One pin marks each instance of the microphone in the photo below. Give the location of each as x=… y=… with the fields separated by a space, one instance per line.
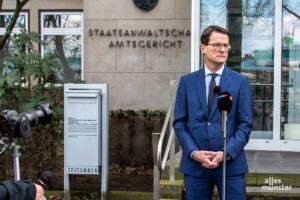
x=224 y=106
x=224 y=102
x=45 y=179
x=217 y=89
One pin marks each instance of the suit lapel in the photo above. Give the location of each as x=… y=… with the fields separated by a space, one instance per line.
x=224 y=83
x=225 y=79
x=201 y=91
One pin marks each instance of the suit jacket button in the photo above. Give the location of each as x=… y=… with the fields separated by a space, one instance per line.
x=206 y=139
x=208 y=123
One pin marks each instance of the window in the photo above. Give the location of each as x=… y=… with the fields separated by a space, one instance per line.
x=64 y=32
x=290 y=71
x=5 y=19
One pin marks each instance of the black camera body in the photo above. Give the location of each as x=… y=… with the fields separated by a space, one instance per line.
x=14 y=125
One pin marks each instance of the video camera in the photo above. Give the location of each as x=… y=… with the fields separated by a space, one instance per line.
x=14 y=125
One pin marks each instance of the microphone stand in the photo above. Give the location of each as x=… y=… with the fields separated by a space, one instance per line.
x=17 y=150
x=224 y=133
x=16 y=153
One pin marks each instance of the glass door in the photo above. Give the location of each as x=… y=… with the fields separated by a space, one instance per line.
x=290 y=71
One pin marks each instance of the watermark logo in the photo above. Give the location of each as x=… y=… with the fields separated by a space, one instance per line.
x=275 y=184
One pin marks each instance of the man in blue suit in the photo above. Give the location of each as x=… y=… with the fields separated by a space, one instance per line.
x=197 y=122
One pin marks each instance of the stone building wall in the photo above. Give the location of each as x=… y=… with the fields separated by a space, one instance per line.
x=138 y=77
x=137 y=68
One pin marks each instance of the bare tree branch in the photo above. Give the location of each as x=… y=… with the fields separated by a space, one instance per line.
x=290 y=11
x=22 y=3
x=1 y=2
x=12 y=23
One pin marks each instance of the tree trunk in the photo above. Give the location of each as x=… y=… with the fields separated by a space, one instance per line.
x=58 y=39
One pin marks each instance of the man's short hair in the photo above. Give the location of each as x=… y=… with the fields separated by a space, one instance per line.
x=208 y=31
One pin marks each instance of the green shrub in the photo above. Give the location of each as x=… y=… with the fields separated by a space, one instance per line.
x=29 y=79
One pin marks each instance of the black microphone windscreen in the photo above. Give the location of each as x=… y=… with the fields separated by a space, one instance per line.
x=47 y=177
x=224 y=102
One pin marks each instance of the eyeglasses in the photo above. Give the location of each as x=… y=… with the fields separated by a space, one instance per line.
x=218 y=46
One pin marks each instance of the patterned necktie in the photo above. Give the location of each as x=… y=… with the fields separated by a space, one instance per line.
x=211 y=94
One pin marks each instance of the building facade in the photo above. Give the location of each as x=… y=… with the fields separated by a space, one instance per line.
x=138 y=51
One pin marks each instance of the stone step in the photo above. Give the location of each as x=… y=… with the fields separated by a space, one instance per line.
x=260 y=186
x=252 y=179
x=261 y=196
x=273 y=190
x=167 y=199
x=165 y=173
x=256 y=193
x=171 y=190
x=266 y=179
x=129 y=195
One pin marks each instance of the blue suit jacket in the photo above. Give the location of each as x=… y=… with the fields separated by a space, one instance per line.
x=198 y=131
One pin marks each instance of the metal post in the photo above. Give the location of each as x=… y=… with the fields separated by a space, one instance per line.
x=67 y=188
x=105 y=142
x=224 y=131
x=195 y=31
x=156 y=173
x=16 y=155
x=172 y=161
x=224 y=171
x=67 y=185
x=277 y=70
x=172 y=149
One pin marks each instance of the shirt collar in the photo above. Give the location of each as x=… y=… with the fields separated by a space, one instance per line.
x=219 y=72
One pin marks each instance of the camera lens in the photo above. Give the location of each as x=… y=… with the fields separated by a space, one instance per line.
x=42 y=114
x=18 y=126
